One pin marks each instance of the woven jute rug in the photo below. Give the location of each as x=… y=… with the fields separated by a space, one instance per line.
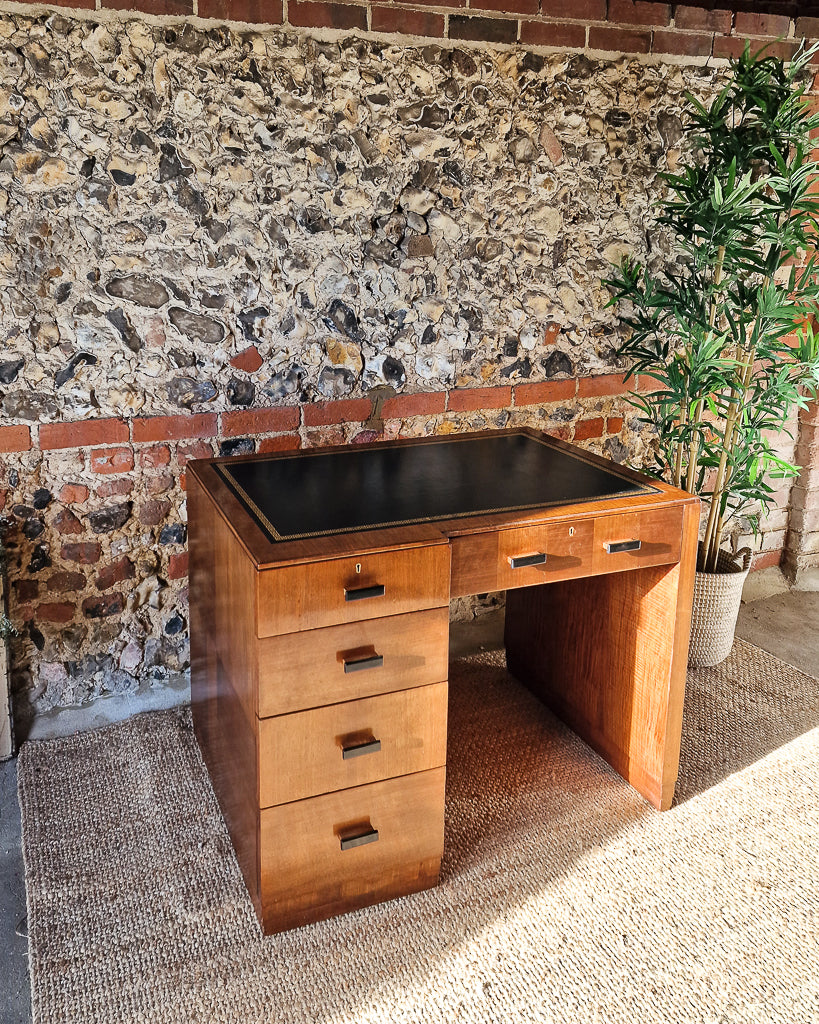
x=564 y=896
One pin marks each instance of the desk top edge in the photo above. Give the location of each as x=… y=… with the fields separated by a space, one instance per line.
x=267 y=554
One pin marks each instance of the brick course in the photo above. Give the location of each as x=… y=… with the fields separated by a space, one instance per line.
x=280 y=443
x=702 y=19
x=485 y=30
x=176 y=7
x=307 y=14
x=638 y=12
x=585 y=429
x=82 y=433
x=168 y=428
x=543 y=392
x=259 y=421
x=423 y=404
x=538 y=33
x=416 y=23
x=613 y=26
x=254 y=11
x=463 y=399
x=321 y=414
x=602 y=384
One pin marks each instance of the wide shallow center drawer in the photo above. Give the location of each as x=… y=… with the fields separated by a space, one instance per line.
x=346 y=850
x=313 y=752
x=634 y=539
x=328 y=593
x=521 y=557
x=326 y=666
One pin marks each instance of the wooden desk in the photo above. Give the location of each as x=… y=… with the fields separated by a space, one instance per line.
x=319 y=649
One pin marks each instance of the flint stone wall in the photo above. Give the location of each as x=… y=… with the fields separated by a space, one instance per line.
x=217 y=241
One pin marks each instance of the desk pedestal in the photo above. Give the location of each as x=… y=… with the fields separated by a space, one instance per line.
x=608 y=655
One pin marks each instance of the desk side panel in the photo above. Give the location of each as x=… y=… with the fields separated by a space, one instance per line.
x=223 y=695
x=608 y=654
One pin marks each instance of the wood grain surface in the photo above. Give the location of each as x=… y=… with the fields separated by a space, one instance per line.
x=314 y=595
x=306 y=670
x=608 y=655
x=601 y=636
x=223 y=698
x=301 y=755
x=306 y=876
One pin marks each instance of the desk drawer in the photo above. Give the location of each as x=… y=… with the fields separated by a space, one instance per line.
x=338 y=852
x=339 y=590
x=505 y=559
x=633 y=539
x=326 y=666
x=361 y=741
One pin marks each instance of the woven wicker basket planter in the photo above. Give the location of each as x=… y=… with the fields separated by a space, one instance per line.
x=717 y=597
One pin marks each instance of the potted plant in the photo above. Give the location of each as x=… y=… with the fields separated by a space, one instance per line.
x=725 y=331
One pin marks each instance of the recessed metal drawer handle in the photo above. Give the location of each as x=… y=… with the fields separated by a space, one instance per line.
x=358 y=749
x=622 y=545
x=362 y=593
x=360 y=664
x=361 y=839
x=520 y=561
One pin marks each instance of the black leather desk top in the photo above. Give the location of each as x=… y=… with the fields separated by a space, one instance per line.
x=324 y=493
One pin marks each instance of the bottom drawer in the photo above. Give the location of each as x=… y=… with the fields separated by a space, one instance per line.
x=334 y=853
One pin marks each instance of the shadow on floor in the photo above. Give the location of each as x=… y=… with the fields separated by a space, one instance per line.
x=739 y=712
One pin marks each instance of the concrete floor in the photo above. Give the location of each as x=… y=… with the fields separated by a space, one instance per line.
x=781 y=621
x=15 y=1000
x=784 y=623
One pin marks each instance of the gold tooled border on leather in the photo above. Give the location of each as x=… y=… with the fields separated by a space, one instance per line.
x=224 y=470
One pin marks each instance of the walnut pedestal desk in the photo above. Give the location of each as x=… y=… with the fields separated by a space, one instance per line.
x=320 y=587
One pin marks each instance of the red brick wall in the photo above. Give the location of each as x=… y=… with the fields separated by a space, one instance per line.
x=802 y=548
x=143 y=460
x=619 y=26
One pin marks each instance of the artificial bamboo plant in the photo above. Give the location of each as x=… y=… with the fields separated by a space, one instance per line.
x=726 y=330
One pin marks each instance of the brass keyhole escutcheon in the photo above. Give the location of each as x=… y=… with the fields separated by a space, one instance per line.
x=571 y=531
x=358 y=567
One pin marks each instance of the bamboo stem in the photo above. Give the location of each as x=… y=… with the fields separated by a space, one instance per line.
x=696 y=437
x=694 y=451
x=714 y=526
x=679 y=453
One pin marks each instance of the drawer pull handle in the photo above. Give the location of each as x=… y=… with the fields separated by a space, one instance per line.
x=360 y=839
x=622 y=545
x=362 y=593
x=358 y=749
x=360 y=664
x=521 y=561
